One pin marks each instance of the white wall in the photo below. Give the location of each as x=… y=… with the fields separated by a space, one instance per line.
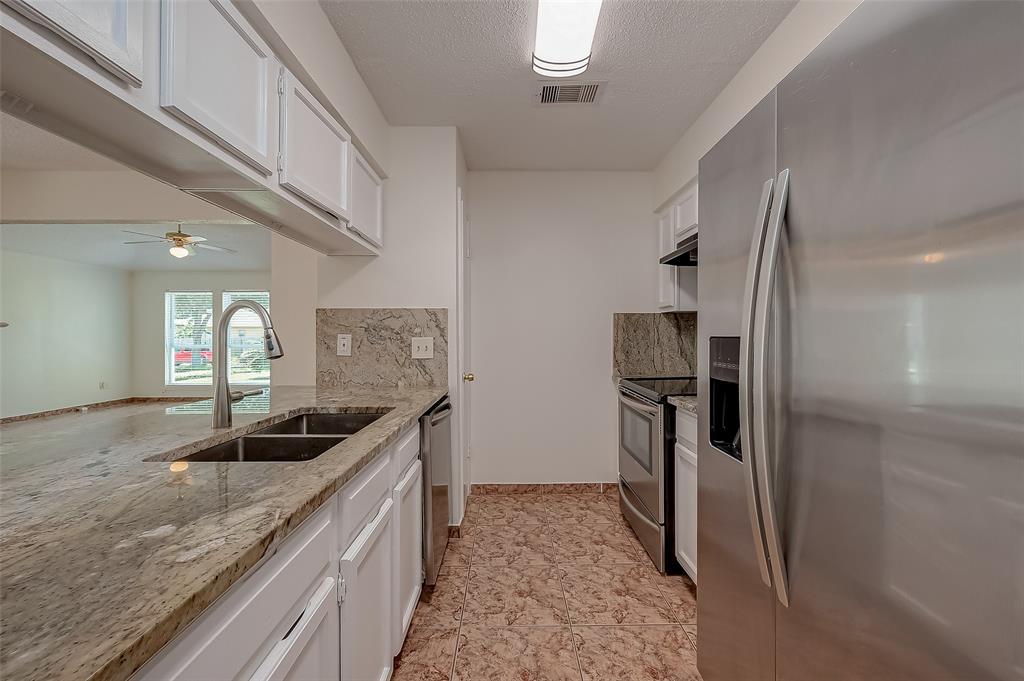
x=70 y=330
x=417 y=265
x=148 y=322
x=554 y=254
x=799 y=33
x=293 y=281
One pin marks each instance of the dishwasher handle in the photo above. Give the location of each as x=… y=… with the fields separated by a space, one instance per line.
x=442 y=413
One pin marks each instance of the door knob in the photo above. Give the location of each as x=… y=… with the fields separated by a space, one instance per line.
x=468 y=377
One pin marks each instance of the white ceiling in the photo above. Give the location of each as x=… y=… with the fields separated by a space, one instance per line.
x=447 y=62
x=103 y=245
x=23 y=146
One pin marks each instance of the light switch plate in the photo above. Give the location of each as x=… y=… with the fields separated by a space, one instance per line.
x=344 y=345
x=423 y=347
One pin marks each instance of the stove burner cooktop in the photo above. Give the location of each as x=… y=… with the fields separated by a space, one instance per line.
x=659 y=388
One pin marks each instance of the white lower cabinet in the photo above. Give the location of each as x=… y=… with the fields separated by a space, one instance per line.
x=686 y=509
x=309 y=651
x=333 y=602
x=408 y=535
x=366 y=630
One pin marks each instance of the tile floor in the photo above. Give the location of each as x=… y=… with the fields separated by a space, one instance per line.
x=551 y=586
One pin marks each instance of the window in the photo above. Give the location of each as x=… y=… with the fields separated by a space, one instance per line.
x=188 y=338
x=188 y=344
x=247 y=356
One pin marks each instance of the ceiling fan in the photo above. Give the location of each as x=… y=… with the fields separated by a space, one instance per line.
x=182 y=245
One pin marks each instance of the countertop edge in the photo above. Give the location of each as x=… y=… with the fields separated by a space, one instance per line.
x=127 y=660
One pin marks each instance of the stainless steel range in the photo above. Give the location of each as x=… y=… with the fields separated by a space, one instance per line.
x=646 y=435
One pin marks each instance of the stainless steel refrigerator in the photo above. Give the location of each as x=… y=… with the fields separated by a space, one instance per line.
x=861 y=359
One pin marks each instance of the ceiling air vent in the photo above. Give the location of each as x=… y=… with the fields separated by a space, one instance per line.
x=568 y=93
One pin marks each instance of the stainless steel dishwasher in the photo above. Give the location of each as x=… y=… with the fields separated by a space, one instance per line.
x=436 y=451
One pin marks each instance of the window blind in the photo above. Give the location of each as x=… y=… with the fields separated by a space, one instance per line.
x=247 y=357
x=188 y=345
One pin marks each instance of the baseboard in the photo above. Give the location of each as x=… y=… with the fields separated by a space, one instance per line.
x=545 y=488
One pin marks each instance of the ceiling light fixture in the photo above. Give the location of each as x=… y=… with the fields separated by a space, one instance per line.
x=565 y=35
x=179 y=251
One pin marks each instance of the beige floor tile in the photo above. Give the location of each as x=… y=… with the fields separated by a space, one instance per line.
x=428 y=653
x=441 y=605
x=520 y=596
x=613 y=594
x=606 y=544
x=565 y=509
x=680 y=594
x=644 y=653
x=459 y=553
x=511 y=545
x=505 y=509
x=691 y=633
x=515 y=654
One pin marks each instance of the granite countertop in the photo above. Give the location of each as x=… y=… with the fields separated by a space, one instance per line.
x=106 y=557
x=685 y=403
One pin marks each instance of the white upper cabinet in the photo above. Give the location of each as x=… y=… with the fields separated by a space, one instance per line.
x=685 y=216
x=366 y=612
x=367 y=201
x=109 y=31
x=314 y=157
x=218 y=75
x=666 y=273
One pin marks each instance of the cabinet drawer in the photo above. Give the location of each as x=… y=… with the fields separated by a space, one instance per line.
x=406 y=451
x=686 y=429
x=359 y=500
x=235 y=633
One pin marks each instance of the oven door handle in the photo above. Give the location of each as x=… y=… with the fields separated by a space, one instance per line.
x=639 y=406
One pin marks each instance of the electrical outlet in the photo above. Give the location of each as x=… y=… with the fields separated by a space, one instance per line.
x=344 y=345
x=103 y=385
x=423 y=347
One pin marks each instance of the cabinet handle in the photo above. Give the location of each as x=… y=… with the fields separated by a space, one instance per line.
x=282 y=656
x=364 y=540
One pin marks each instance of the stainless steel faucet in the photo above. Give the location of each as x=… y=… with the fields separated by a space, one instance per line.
x=222 y=395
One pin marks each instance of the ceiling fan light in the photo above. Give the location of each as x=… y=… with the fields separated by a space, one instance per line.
x=565 y=36
x=179 y=251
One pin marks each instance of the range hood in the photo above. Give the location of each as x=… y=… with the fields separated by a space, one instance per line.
x=685 y=254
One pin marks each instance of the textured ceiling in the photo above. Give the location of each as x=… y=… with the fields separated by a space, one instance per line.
x=467 y=63
x=103 y=245
x=23 y=146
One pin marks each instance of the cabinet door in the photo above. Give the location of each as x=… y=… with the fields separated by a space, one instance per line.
x=109 y=31
x=686 y=509
x=366 y=613
x=408 y=534
x=217 y=75
x=309 y=650
x=666 y=273
x=314 y=154
x=367 y=201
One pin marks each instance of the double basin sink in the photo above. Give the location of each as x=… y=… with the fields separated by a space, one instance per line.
x=300 y=438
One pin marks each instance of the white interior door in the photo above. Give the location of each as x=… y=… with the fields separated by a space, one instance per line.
x=464 y=354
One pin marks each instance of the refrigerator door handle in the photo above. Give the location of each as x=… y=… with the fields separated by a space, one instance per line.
x=762 y=311
x=746 y=366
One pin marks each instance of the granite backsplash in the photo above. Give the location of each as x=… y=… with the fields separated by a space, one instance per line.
x=654 y=344
x=381 y=347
